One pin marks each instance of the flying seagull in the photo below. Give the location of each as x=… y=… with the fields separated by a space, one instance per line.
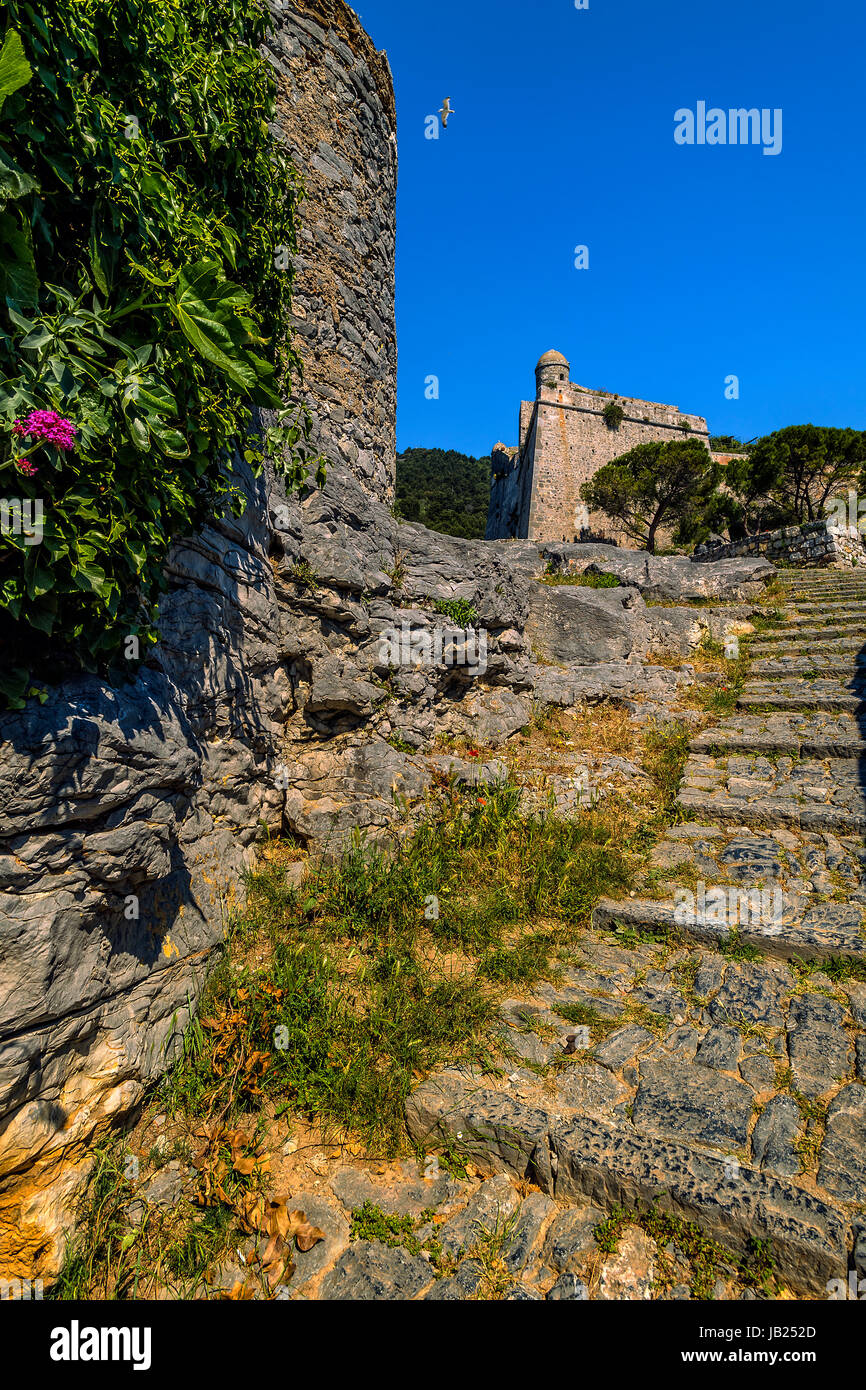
x=446 y=112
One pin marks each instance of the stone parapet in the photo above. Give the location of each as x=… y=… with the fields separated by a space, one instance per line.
x=815 y=543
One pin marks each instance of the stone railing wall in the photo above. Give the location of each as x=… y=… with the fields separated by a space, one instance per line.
x=816 y=543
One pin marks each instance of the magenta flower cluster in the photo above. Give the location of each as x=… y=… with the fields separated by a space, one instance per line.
x=48 y=427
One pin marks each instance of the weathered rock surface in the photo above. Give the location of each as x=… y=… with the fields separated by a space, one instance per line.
x=580 y=1156
x=577 y=626
x=666 y=578
x=774 y=1137
x=370 y=1270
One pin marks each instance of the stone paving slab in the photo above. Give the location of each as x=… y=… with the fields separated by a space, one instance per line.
x=823 y=662
x=788 y=692
x=574 y=1157
x=822 y=933
x=814 y=793
x=839 y=649
x=801 y=629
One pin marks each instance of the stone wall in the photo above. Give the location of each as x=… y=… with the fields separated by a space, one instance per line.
x=336 y=114
x=128 y=814
x=816 y=543
x=564 y=440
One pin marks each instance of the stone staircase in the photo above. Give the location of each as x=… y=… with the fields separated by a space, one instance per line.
x=722 y=1073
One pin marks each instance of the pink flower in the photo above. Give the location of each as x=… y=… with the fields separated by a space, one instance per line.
x=26 y=467
x=49 y=427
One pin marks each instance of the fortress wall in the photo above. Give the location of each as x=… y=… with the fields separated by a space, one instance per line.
x=574 y=443
x=564 y=441
x=336 y=114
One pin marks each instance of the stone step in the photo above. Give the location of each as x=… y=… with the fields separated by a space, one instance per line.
x=820 y=933
x=804 y=792
x=803 y=735
x=852 y=622
x=801 y=646
x=572 y=1155
x=826 y=604
x=761 y=698
x=782 y=812
x=852 y=597
x=811 y=666
x=818 y=574
x=794 y=632
x=792 y=693
x=800 y=864
x=812 y=623
x=822 y=579
x=824 y=616
x=832 y=599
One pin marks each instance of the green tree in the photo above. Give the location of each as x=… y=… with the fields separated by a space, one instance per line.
x=445 y=490
x=653 y=484
x=791 y=475
x=728 y=444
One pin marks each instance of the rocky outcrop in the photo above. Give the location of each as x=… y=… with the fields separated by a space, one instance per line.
x=277 y=699
x=579 y=625
x=128 y=814
x=665 y=578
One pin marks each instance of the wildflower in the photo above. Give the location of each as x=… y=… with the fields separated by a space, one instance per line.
x=49 y=427
x=26 y=467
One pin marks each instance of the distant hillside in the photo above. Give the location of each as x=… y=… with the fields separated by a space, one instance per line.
x=444 y=490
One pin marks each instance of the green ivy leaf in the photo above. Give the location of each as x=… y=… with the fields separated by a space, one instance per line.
x=14 y=183
x=18 y=279
x=15 y=71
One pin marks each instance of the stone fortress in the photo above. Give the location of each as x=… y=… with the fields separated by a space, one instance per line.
x=564 y=439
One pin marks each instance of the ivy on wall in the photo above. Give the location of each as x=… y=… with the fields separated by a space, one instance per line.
x=147 y=225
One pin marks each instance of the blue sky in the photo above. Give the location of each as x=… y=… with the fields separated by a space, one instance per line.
x=704 y=261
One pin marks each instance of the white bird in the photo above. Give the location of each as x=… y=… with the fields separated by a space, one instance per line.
x=446 y=112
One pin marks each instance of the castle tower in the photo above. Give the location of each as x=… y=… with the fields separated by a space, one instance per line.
x=551 y=373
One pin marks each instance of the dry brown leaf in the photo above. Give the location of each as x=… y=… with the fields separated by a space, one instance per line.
x=306 y=1235
x=240 y=1292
